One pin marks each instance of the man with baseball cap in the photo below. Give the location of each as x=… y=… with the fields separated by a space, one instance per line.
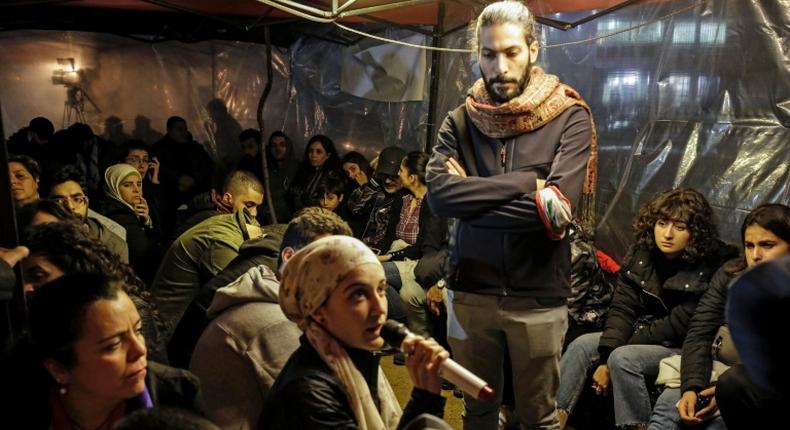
x=380 y=229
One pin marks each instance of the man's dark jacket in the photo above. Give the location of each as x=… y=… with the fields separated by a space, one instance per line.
x=499 y=245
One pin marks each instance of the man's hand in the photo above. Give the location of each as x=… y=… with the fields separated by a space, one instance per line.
x=455 y=168
x=601 y=380
x=435 y=299
x=153 y=170
x=13 y=255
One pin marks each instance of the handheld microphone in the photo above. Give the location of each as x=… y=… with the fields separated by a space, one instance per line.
x=394 y=333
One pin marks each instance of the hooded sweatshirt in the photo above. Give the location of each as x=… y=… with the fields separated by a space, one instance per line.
x=243 y=349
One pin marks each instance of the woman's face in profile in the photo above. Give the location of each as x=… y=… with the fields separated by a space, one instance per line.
x=356 y=310
x=110 y=353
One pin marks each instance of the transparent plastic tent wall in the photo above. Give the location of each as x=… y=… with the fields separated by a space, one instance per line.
x=701 y=99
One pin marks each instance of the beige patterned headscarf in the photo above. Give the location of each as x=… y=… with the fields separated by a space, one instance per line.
x=308 y=280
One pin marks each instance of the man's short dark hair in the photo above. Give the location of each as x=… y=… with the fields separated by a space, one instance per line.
x=310 y=224
x=42 y=127
x=173 y=120
x=132 y=145
x=80 y=132
x=331 y=185
x=238 y=181
x=30 y=164
x=250 y=133
x=65 y=174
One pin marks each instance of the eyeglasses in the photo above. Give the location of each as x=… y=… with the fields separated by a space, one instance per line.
x=78 y=201
x=138 y=160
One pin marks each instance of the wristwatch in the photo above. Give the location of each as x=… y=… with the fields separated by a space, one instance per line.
x=440 y=284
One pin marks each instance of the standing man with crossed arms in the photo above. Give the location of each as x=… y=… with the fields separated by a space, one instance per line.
x=512 y=164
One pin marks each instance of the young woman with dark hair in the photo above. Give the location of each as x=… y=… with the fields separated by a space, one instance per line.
x=418 y=232
x=89 y=366
x=765 y=235
x=357 y=168
x=320 y=160
x=676 y=250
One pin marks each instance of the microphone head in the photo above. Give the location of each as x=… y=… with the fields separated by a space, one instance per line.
x=394 y=333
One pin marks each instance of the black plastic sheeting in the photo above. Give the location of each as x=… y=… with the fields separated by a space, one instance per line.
x=700 y=99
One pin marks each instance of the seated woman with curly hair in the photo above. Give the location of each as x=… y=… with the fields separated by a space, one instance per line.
x=676 y=250
x=61 y=248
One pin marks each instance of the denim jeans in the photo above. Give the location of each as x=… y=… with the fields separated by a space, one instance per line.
x=630 y=366
x=400 y=276
x=665 y=415
x=395 y=310
x=392 y=274
x=581 y=354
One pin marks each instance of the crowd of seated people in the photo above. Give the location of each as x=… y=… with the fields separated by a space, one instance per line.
x=138 y=257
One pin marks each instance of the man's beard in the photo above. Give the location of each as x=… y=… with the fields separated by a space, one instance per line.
x=504 y=97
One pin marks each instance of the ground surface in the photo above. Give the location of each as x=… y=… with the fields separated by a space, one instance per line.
x=399 y=379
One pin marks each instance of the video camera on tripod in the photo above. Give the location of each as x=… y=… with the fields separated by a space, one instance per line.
x=72 y=78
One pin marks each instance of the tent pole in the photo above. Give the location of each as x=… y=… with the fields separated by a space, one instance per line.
x=434 y=90
x=13 y=312
x=261 y=104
